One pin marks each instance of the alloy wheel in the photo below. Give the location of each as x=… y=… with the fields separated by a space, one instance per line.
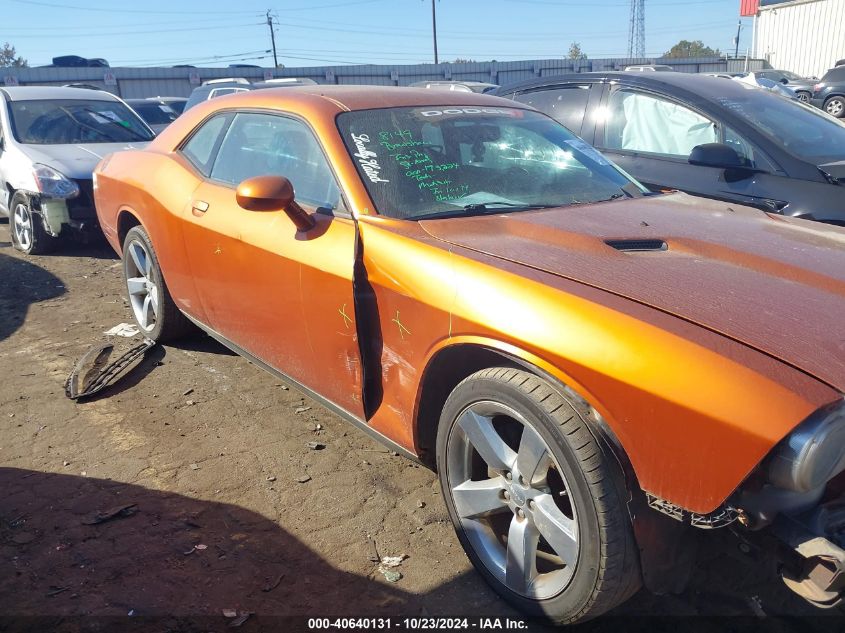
x=835 y=107
x=143 y=291
x=803 y=97
x=22 y=223
x=513 y=500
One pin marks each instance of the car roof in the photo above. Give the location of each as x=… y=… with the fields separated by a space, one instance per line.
x=704 y=86
x=27 y=93
x=361 y=97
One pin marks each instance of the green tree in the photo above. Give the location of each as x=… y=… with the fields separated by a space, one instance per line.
x=9 y=57
x=696 y=48
x=575 y=51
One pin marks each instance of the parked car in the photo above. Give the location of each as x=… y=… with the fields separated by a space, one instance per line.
x=461 y=86
x=829 y=93
x=177 y=104
x=801 y=86
x=50 y=141
x=156 y=113
x=469 y=282
x=704 y=135
x=221 y=87
x=648 y=68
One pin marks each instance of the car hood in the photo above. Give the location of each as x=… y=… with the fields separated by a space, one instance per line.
x=75 y=161
x=776 y=284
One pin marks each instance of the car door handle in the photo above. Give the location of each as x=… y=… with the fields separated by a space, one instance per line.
x=199 y=207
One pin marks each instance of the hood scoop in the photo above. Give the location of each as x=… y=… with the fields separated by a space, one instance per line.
x=637 y=246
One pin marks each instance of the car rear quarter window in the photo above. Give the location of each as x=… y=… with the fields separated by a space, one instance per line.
x=834 y=75
x=641 y=122
x=200 y=147
x=264 y=144
x=565 y=104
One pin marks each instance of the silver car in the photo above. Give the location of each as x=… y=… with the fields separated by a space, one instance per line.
x=50 y=141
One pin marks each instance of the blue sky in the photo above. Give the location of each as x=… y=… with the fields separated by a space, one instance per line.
x=318 y=32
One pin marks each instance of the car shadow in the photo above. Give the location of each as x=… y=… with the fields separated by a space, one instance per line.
x=97 y=553
x=81 y=554
x=24 y=284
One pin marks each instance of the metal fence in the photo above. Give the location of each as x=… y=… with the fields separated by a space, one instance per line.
x=178 y=82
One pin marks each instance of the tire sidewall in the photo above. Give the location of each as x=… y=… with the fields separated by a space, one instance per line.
x=138 y=234
x=578 y=592
x=38 y=233
x=841 y=100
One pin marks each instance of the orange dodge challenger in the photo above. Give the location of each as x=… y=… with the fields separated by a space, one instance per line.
x=597 y=374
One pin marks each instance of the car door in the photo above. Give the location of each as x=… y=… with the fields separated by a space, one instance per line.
x=651 y=135
x=282 y=295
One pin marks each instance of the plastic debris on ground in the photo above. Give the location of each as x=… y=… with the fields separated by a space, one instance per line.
x=127 y=330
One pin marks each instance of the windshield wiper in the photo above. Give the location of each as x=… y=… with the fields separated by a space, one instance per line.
x=483 y=209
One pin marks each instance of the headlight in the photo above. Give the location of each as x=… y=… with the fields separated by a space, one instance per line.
x=52 y=183
x=812 y=454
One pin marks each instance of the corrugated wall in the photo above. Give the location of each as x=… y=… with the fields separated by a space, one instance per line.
x=806 y=36
x=175 y=82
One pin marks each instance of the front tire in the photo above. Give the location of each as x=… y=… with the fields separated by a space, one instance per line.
x=803 y=97
x=27 y=229
x=153 y=309
x=835 y=106
x=536 y=501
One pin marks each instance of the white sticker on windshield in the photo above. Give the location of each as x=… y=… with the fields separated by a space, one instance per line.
x=367 y=158
x=111 y=115
x=164 y=108
x=97 y=117
x=588 y=150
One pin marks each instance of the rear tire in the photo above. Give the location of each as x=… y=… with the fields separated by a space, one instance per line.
x=153 y=309
x=835 y=106
x=537 y=503
x=803 y=97
x=27 y=228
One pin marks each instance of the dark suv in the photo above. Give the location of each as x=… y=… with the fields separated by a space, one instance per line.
x=707 y=136
x=829 y=93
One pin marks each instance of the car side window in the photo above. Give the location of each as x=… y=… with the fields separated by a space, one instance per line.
x=566 y=104
x=265 y=144
x=641 y=122
x=200 y=147
x=740 y=145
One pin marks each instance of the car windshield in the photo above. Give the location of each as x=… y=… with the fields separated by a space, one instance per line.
x=444 y=161
x=155 y=112
x=58 y=122
x=791 y=76
x=804 y=131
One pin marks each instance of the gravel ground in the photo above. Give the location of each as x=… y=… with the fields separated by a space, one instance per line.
x=229 y=507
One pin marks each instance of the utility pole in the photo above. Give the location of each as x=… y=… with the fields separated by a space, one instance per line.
x=736 y=39
x=434 y=28
x=272 y=39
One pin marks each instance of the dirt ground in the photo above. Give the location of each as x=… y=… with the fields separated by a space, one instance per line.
x=213 y=453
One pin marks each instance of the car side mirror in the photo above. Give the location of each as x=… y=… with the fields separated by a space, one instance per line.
x=784 y=81
x=273 y=193
x=716 y=155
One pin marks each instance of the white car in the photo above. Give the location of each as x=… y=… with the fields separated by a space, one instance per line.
x=50 y=141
